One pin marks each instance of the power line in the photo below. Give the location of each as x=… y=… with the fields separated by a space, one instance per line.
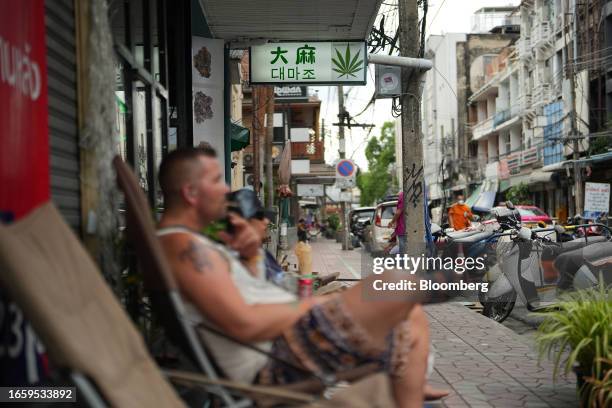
x=437 y=12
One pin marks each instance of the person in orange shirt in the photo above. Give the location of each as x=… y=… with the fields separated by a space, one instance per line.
x=460 y=214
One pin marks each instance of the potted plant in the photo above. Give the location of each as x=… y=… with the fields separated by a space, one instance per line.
x=577 y=335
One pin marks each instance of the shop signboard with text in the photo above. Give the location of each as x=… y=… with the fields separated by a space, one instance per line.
x=313 y=62
x=596 y=200
x=24 y=134
x=24 y=165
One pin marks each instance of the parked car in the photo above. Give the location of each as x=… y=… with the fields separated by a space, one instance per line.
x=531 y=216
x=361 y=214
x=377 y=234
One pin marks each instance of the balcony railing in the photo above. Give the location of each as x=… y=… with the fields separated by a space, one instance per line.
x=525 y=48
x=501 y=117
x=525 y=103
x=314 y=151
x=542 y=94
x=507 y=114
x=482 y=129
x=558 y=23
x=541 y=33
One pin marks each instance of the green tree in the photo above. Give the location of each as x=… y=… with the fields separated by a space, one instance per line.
x=380 y=154
x=519 y=195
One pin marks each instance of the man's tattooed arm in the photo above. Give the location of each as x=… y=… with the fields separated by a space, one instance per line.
x=197 y=255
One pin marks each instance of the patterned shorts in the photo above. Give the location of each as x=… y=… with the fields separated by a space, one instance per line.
x=327 y=340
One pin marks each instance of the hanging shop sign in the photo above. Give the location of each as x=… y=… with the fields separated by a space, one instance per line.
x=208 y=76
x=514 y=163
x=318 y=62
x=24 y=132
x=310 y=190
x=529 y=156
x=291 y=92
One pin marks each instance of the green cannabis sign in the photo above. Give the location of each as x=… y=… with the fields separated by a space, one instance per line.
x=315 y=62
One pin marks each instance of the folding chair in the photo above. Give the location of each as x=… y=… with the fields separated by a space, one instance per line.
x=87 y=334
x=167 y=304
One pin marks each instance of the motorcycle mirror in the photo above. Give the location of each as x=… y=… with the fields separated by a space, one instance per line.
x=509 y=205
x=559 y=229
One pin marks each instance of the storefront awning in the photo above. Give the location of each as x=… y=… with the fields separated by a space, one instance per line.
x=474 y=197
x=539 y=176
x=290 y=19
x=485 y=201
x=240 y=137
x=516 y=180
x=583 y=162
x=486 y=198
x=458 y=187
x=504 y=185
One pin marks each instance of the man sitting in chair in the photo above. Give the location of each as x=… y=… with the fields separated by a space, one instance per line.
x=320 y=335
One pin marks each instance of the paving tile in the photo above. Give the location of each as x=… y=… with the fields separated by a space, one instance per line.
x=483 y=363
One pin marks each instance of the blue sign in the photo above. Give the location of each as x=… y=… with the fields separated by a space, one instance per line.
x=345 y=168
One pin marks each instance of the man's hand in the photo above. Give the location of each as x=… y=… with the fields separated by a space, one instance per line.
x=244 y=240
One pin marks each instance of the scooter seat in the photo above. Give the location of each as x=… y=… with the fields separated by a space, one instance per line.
x=474 y=237
x=455 y=235
x=580 y=242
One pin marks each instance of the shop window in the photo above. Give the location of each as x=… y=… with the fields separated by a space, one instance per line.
x=141 y=132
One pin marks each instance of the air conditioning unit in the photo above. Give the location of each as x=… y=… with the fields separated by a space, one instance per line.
x=249 y=181
x=248 y=159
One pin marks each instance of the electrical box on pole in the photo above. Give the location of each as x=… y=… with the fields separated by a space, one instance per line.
x=388 y=81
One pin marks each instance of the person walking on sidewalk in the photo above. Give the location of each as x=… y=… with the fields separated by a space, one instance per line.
x=398 y=223
x=302 y=231
x=326 y=335
x=459 y=214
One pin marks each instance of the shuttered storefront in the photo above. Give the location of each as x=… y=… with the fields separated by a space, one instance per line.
x=63 y=128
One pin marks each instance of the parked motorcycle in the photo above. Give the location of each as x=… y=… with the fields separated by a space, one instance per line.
x=357 y=233
x=529 y=262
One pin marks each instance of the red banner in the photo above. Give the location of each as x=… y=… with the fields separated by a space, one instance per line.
x=24 y=134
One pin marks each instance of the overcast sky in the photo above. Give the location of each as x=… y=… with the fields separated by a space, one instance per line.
x=443 y=16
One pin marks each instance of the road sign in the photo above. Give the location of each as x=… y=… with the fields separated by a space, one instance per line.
x=345 y=168
x=346 y=172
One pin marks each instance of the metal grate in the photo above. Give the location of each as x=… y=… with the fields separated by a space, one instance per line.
x=62 y=90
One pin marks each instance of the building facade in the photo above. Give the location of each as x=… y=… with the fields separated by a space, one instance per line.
x=526 y=114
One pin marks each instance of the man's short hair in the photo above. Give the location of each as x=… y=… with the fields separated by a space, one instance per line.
x=177 y=168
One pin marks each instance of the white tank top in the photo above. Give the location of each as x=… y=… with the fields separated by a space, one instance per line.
x=237 y=362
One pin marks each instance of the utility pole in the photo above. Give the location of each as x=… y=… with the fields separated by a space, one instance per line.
x=412 y=147
x=341 y=152
x=256 y=125
x=268 y=146
x=578 y=187
x=324 y=198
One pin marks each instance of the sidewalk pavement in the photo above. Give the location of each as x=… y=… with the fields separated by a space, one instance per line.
x=483 y=363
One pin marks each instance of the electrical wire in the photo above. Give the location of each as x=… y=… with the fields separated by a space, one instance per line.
x=437 y=12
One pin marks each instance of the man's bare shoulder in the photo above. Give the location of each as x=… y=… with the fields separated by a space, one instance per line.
x=192 y=253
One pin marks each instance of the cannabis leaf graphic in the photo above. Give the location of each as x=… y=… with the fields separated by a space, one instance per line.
x=346 y=66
